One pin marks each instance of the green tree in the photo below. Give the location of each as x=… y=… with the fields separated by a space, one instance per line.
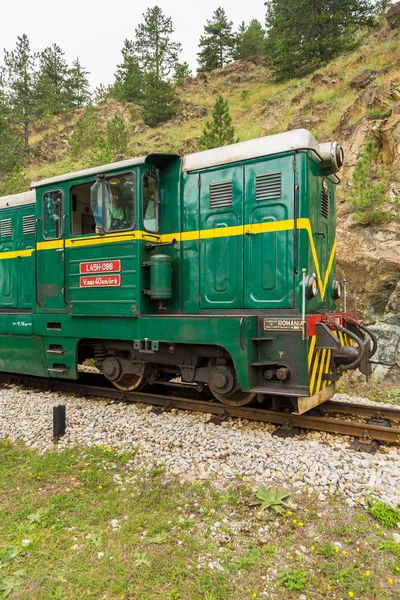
x=128 y=86
x=51 y=86
x=20 y=71
x=117 y=135
x=78 y=85
x=370 y=180
x=101 y=153
x=158 y=57
x=217 y=45
x=182 y=70
x=10 y=142
x=302 y=35
x=250 y=41
x=84 y=134
x=219 y=131
x=158 y=100
x=101 y=93
x=156 y=52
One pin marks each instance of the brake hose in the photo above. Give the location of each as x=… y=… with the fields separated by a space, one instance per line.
x=361 y=348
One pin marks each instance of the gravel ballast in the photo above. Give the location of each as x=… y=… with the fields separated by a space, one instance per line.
x=185 y=444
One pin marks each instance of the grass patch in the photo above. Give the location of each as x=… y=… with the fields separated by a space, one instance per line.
x=84 y=523
x=386 y=515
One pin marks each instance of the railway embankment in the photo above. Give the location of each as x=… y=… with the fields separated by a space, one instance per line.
x=190 y=446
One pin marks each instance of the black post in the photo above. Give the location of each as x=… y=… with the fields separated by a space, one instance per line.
x=59 y=413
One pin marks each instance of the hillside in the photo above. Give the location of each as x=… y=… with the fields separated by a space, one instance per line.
x=354 y=98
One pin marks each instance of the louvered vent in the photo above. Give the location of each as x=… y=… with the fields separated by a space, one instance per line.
x=28 y=224
x=324 y=204
x=6 y=228
x=221 y=194
x=269 y=186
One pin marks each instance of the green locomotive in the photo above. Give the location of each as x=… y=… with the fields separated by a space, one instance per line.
x=218 y=268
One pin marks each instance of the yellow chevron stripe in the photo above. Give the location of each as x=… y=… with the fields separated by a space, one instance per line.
x=321 y=370
x=217 y=232
x=311 y=350
x=314 y=372
x=327 y=369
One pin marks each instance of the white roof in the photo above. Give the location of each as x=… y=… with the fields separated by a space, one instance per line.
x=130 y=162
x=298 y=139
x=17 y=199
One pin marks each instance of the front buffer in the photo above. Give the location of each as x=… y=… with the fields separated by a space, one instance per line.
x=304 y=361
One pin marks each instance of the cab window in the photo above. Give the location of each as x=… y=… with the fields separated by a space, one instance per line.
x=151 y=203
x=52 y=215
x=103 y=206
x=119 y=203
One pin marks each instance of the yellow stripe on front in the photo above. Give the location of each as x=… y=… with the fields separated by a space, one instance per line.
x=186 y=236
x=327 y=369
x=321 y=370
x=311 y=350
x=314 y=373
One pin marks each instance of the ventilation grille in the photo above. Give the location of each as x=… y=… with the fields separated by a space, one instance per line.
x=28 y=224
x=269 y=186
x=6 y=228
x=324 y=204
x=220 y=194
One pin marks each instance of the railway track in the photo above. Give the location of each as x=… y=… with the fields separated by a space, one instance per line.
x=367 y=423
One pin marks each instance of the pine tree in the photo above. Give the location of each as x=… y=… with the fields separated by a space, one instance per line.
x=182 y=70
x=158 y=100
x=369 y=185
x=101 y=153
x=219 y=131
x=217 y=45
x=117 y=135
x=302 y=35
x=84 y=134
x=156 y=52
x=10 y=143
x=52 y=82
x=20 y=69
x=250 y=41
x=158 y=57
x=78 y=86
x=128 y=86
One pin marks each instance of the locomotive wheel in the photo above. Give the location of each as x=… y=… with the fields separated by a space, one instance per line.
x=238 y=398
x=130 y=382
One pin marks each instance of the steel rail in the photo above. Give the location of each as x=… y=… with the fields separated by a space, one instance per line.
x=376 y=411
x=363 y=430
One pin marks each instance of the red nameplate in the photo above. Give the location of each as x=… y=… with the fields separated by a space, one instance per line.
x=101 y=281
x=104 y=266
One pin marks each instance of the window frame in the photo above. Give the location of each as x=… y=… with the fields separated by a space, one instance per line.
x=107 y=177
x=150 y=173
x=59 y=237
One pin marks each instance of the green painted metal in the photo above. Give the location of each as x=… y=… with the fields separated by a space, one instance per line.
x=160 y=277
x=227 y=271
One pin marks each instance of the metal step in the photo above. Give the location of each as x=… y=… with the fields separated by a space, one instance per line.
x=264 y=363
x=263 y=339
x=57 y=370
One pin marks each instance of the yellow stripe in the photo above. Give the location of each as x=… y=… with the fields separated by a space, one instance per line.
x=326 y=369
x=217 y=232
x=311 y=350
x=314 y=371
x=15 y=254
x=321 y=370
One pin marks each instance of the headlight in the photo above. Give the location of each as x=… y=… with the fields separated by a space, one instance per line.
x=311 y=286
x=337 y=289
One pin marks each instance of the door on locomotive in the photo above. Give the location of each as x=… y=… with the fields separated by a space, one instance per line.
x=50 y=263
x=246 y=235
x=268 y=239
x=102 y=249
